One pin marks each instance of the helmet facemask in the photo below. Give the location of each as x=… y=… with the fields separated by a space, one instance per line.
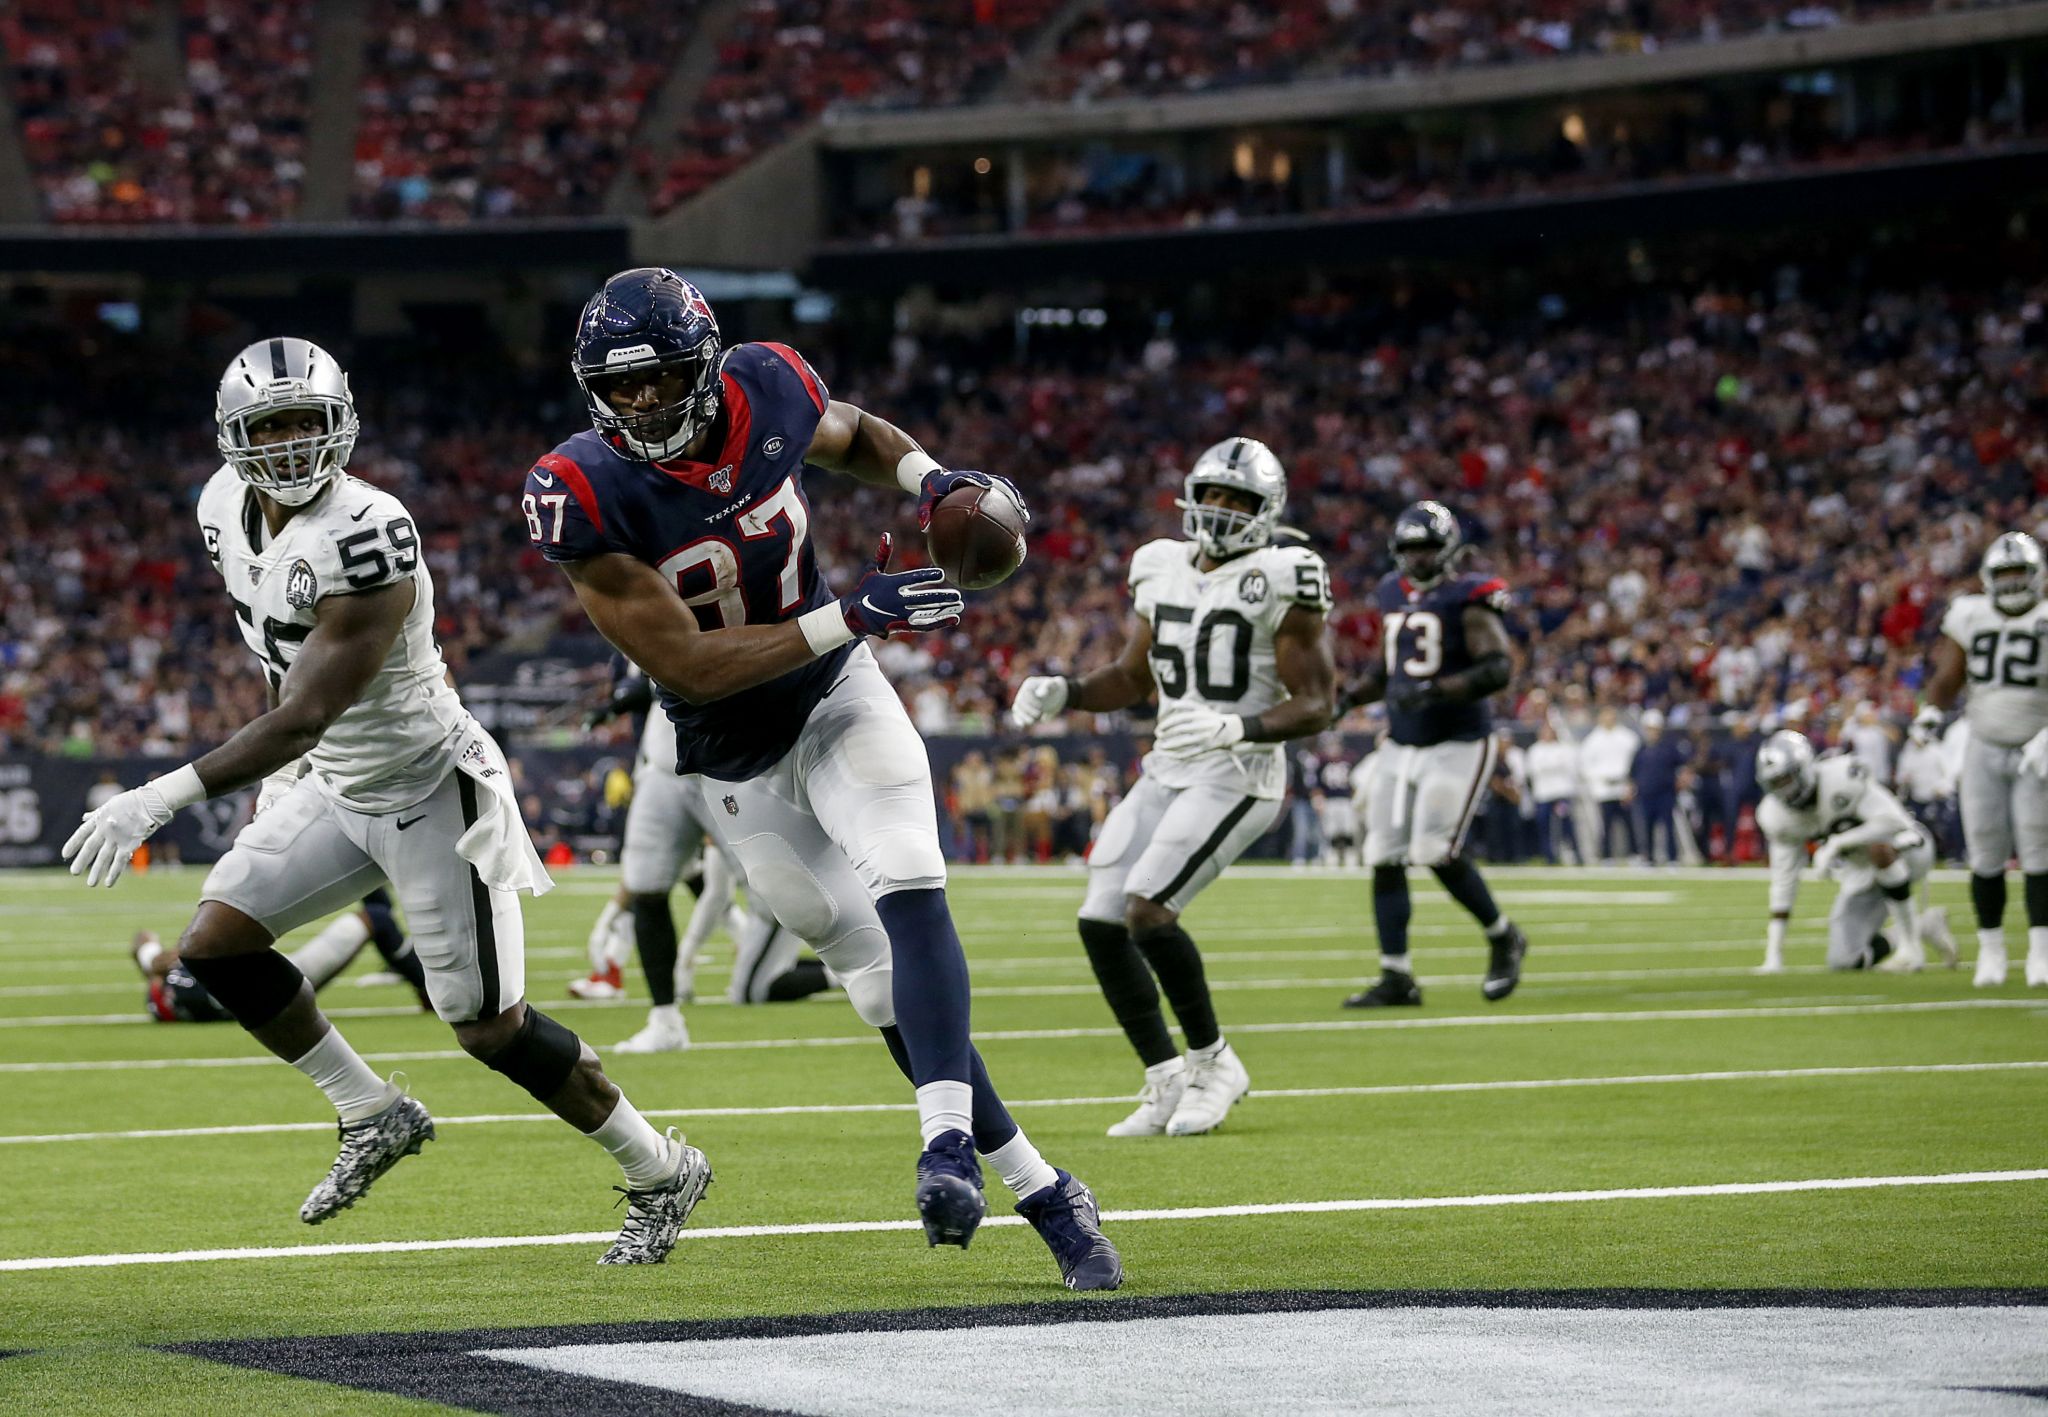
x=661 y=433
x=1222 y=530
x=2014 y=587
x=291 y=471
x=1785 y=769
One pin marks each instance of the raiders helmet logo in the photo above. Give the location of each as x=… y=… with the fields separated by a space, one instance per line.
x=721 y=482
x=1251 y=587
x=300 y=585
x=732 y=806
x=773 y=446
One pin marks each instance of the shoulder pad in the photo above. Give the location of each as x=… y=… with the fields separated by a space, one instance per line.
x=1156 y=557
x=1488 y=591
x=1956 y=620
x=767 y=364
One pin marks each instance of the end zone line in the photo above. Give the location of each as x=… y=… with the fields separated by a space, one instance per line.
x=1206 y=1212
x=829 y=1109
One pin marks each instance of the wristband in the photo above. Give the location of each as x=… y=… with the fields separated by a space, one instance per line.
x=1254 y=725
x=181 y=788
x=913 y=468
x=1073 y=702
x=825 y=629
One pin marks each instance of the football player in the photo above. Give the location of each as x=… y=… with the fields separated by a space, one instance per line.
x=1446 y=653
x=376 y=772
x=1336 y=812
x=1992 y=641
x=1866 y=838
x=1230 y=629
x=681 y=520
x=174 y=996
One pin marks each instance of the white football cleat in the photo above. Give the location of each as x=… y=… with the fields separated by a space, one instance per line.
x=2037 y=967
x=1155 y=1106
x=1773 y=964
x=1902 y=961
x=1990 y=967
x=1214 y=1087
x=606 y=983
x=664 y=1033
x=1934 y=931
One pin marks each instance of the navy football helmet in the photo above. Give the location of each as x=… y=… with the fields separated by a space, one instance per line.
x=1426 y=542
x=645 y=325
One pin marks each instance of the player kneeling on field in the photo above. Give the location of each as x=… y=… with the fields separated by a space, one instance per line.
x=1868 y=840
x=1231 y=629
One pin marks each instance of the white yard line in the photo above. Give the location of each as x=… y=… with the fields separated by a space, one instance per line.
x=1033 y=1035
x=1409 y=1089
x=1124 y=1217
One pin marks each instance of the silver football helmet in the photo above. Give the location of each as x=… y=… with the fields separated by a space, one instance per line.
x=1784 y=768
x=2014 y=572
x=1243 y=465
x=272 y=376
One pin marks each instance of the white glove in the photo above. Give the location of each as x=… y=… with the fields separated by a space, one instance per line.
x=1187 y=730
x=1926 y=729
x=1039 y=698
x=108 y=837
x=277 y=784
x=1824 y=857
x=2034 y=757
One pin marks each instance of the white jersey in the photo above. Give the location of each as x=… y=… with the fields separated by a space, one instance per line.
x=1212 y=642
x=390 y=748
x=1846 y=798
x=2008 y=701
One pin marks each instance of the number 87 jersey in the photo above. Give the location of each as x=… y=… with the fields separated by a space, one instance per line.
x=1212 y=642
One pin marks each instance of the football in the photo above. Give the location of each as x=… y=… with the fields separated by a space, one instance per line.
x=976 y=537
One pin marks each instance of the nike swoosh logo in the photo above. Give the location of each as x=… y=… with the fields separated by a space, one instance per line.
x=872 y=606
x=544 y=479
x=403 y=823
x=360 y=515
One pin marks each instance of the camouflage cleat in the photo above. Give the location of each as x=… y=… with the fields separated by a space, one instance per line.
x=369 y=1148
x=655 y=1216
x=949 y=1198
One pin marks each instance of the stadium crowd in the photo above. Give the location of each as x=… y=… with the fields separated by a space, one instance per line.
x=1725 y=506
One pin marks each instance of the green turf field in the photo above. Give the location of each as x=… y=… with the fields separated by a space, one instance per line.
x=1640 y=1053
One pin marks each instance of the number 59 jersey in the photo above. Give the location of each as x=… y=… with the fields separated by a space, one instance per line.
x=393 y=745
x=1212 y=642
x=2008 y=701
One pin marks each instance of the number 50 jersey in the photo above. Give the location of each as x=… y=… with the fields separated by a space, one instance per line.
x=394 y=744
x=1212 y=642
x=2008 y=701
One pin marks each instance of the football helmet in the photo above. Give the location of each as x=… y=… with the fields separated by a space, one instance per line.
x=1243 y=465
x=1784 y=768
x=641 y=321
x=273 y=376
x=1426 y=542
x=2014 y=572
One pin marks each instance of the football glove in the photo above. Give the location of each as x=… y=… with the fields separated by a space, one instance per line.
x=1410 y=695
x=1039 y=698
x=1926 y=730
x=108 y=837
x=1187 y=730
x=884 y=601
x=937 y=484
x=2034 y=757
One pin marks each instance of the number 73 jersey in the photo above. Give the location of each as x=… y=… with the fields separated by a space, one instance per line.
x=1212 y=642
x=393 y=745
x=2008 y=701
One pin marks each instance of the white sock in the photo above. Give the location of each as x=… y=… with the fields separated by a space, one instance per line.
x=1208 y=1054
x=1160 y=1072
x=1906 y=922
x=1499 y=928
x=600 y=935
x=1992 y=942
x=1398 y=963
x=641 y=1151
x=339 y=1071
x=669 y=1016
x=1023 y=1170
x=2037 y=939
x=945 y=1107
x=329 y=952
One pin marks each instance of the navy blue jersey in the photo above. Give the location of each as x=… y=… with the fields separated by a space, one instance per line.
x=1424 y=636
x=731 y=535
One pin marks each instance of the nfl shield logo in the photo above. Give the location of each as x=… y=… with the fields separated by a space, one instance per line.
x=732 y=806
x=721 y=481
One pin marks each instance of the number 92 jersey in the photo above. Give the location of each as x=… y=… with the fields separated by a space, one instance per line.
x=1212 y=642
x=382 y=754
x=1423 y=631
x=2008 y=701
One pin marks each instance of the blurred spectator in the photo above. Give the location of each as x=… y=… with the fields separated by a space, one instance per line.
x=1654 y=773
x=1607 y=758
x=1554 y=788
x=973 y=801
x=1871 y=739
x=1928 y=788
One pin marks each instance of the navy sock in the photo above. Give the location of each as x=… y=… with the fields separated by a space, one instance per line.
x=654 y=935
x=1174 y=958
x=930 y=986
x=1391 y=908
x=993 y=1125
x=1468 y=888
x=2037 y=900
x=1127 y=984
x=1987 y=895
x=398 y=954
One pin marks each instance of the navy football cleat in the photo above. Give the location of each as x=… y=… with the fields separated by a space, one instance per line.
x=1065 y=1217
x=1504 y=969
x=1396 y=989
x=949 y=1198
